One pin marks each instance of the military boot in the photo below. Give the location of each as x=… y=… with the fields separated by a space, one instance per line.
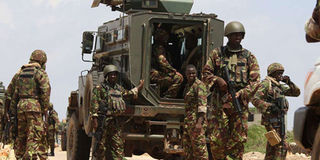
x=52 y=151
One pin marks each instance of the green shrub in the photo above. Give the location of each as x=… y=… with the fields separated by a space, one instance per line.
x=256 y=140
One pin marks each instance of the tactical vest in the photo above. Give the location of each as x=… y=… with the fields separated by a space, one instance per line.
x=239 y=74
x=114 y=99
x=274 y=92
x=26 y=83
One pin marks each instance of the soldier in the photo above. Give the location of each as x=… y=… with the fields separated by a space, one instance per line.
x=162 y=72
x=31 y=99
x=1 y=117
x=269 y=90
x=109 y=97
x=53 y=122
x=312 y=26
x=10 y=113
x=227 y=130
x=195 y=121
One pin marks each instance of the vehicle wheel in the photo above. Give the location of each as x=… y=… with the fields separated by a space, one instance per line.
x=87 y=104
x=156 y=150
x=64 y=141
x=78 y=143
x=316 y=146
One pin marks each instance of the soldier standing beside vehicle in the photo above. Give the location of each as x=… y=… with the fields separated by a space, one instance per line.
x=228 y=130
x=109 y=97
x=1 y=118
x=195 y=121
x=31 y=98
x=162 y=72
x=53 y=122
x=269 y=92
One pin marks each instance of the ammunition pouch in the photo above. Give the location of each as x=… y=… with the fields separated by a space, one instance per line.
x=116 y=102
x=273 y=137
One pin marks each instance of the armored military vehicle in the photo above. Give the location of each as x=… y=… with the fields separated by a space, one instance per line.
x=307 y=119
x=154 y=123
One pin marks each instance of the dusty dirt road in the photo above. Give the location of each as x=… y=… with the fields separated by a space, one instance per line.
x=61 y=155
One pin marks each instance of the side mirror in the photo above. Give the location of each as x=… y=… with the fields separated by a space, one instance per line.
x=87 y=42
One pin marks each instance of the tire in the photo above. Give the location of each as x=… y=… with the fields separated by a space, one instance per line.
x=316 y=146
x=78 y=143
x=64 y=141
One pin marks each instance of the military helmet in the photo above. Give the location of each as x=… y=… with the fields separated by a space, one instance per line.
x=234 y=27
x=275 y=67
x=109 y=68
x=50 y=106
x=39 y=56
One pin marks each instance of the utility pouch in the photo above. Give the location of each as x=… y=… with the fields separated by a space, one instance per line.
x=273 y=120
x=273 y=137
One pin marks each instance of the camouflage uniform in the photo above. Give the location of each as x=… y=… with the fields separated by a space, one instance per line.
x=8 y=97
x=267 y=92
x=111 y=145
x=52 y=128
x=31 y=99
x=225 y=130
x=162 y=72
x=194 y=140
x=1 y=117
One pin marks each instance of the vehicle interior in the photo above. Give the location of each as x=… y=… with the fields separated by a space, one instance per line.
x=183 y=47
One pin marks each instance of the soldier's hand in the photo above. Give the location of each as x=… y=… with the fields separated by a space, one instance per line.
x=286 y=79
x=226 y=105
x=140 y=86
x=222 y=84
x=200 y=122
x=95 y=123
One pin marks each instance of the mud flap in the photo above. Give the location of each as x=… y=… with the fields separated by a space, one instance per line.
x=300 y=117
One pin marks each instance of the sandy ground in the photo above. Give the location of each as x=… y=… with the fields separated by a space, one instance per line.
x=61 y=155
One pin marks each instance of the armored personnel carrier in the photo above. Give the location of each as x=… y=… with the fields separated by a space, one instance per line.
x=154 y=123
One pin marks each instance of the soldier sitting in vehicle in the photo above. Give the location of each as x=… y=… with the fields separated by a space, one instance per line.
x=270 y=99
x=162 y=72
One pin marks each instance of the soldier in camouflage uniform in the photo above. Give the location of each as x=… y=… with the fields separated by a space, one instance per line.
x=31 y=99
x=1 y=117
x=268 y=91
x=195 y=121
x=53 y=122
x=162 y=72
x=226 y=132
x=110 y=95
x=10 y=113
x=312 y=26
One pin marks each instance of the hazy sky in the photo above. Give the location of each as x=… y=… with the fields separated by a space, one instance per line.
x=274 y=33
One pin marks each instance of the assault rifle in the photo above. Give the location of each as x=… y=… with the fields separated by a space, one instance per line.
x=101 y=123
x=280 y=103
x=231 y=90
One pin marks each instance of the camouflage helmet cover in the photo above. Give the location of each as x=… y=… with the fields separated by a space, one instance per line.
x=109 y=68
x=51 y=106
x=39 y=56
x=275 y=67
x=234 y=27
